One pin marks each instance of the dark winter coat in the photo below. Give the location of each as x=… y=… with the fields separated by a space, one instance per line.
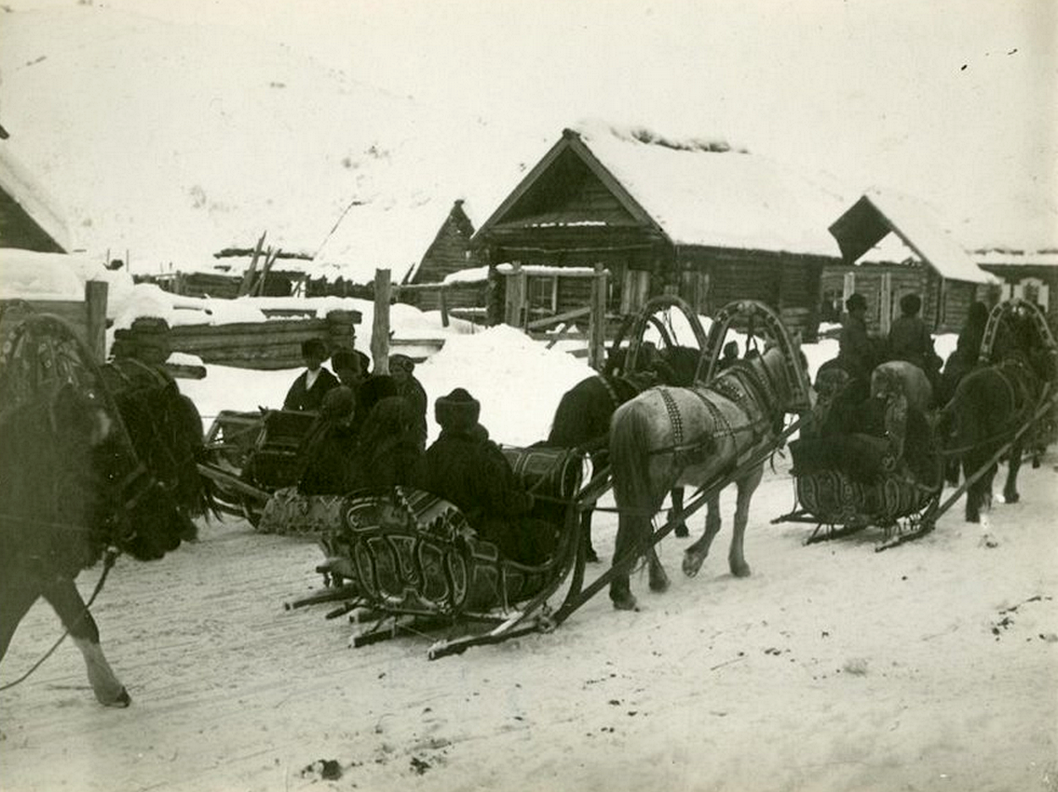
x=856 y=352
x=387 y=451
x=414 y=394
x=468 y=469
x=309 y=400
x=910 y=340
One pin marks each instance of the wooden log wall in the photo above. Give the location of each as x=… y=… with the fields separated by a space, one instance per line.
x=275 y=344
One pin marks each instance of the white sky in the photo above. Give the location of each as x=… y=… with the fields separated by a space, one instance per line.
x=953 y=102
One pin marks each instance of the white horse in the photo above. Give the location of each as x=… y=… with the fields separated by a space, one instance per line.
x=667 y=437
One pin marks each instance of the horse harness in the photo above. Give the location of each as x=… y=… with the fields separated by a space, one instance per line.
x=752 y=388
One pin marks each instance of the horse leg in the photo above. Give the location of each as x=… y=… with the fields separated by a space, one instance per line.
x=585 y=526
x=676 y=496
x=979 y=495
x=631 y=532
x=1010 y=489
x=66 y=600
x=18 y=592
x=695 y=555
x=659 y=579
x=736 y=559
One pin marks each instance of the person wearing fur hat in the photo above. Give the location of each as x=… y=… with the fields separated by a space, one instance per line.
x=412 y=391
x=465 y=467
x=308 y=390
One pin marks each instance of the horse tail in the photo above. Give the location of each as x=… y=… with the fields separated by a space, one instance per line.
x=629 y=460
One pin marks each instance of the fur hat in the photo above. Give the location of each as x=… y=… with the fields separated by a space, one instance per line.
x=458 y=411
x=346 y=359
x=401 y=363
x=855 y=301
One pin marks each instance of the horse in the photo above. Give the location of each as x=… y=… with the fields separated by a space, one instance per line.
x=582 y=418
x=692 y=436
x=989 y=405
x=85 y=473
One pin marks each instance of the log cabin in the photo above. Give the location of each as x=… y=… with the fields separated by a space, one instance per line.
x=697 y=218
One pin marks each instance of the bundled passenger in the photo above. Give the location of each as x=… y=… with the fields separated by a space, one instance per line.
x=412 y=391
x=387 y=448
x=465 y=467
x=328 y=450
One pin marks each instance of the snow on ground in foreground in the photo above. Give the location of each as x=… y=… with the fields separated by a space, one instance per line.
x=832 y=668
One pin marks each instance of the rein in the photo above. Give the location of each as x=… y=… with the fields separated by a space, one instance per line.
x=108 y=564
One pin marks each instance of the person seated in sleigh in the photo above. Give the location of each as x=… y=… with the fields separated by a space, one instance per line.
x=881 y=436
x=464 y=467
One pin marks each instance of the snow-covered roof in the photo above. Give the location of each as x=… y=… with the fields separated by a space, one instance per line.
x=17 y=181
x=705 y=192
x=1016 y=258
x=878 y=213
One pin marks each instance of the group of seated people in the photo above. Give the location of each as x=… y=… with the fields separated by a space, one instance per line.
x=371 y=433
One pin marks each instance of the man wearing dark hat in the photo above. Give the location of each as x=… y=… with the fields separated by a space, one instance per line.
x=465 y=467
x=411 y=390
x=910 y=339
x=308 y=390
x=856 y=353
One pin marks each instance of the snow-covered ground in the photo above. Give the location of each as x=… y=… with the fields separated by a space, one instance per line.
x=931 y=666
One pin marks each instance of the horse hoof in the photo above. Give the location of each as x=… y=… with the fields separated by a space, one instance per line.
x=692 y=563
x=682 y=532
x=623 y=600
x=1012 y=497
x=592 y=557
x=659 y=582
x=122 y=700
x=740 y=570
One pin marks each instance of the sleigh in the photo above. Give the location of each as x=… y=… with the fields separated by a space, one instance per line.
x=251 y=455
x=841 y=499
x=403 y=560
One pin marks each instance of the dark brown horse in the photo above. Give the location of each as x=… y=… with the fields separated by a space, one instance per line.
x=989 y=406
x=84 y=474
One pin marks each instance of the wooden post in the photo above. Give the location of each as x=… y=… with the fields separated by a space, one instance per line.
x=443 y=299
x=515 y=313
x=380 y=324
x=597 y=320
x=95 y=297
x=886 y=317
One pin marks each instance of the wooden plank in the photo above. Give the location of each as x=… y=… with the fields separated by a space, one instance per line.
x=565 y=316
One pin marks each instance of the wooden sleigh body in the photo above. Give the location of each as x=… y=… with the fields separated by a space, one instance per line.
x=403 y=560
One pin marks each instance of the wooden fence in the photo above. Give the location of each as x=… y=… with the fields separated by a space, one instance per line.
x=275 y=344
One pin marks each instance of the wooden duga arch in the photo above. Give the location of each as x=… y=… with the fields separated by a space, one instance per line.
x=648 y=315
x=1007 y=308
x=760 y=315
